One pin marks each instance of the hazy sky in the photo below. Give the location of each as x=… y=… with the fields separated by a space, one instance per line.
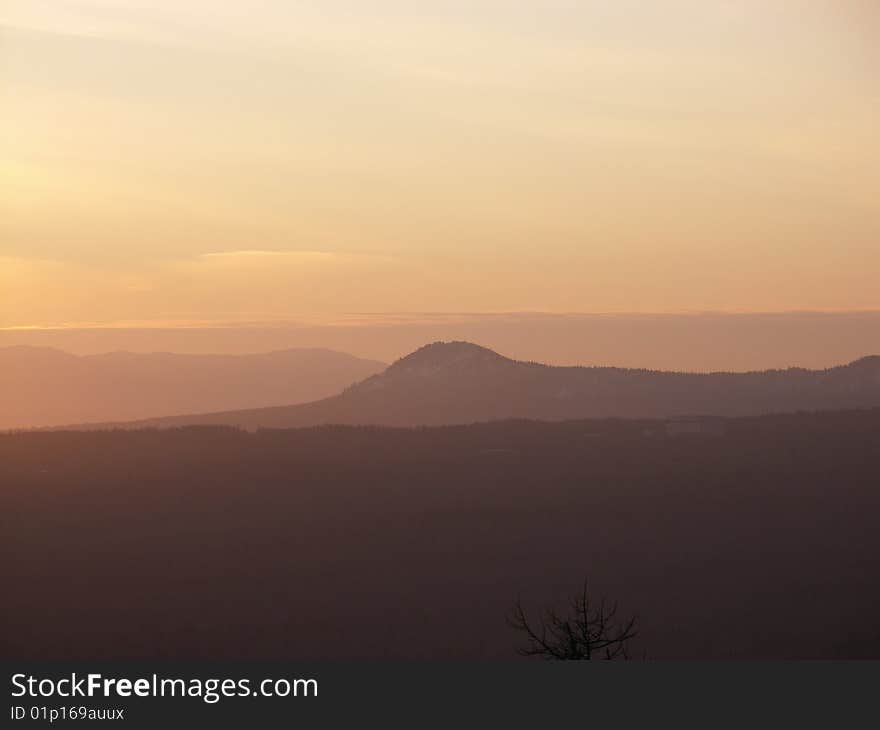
x=180 y=160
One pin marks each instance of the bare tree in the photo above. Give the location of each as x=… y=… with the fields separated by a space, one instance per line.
x=588 y=632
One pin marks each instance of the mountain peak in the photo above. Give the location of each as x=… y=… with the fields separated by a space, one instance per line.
x=455 y=355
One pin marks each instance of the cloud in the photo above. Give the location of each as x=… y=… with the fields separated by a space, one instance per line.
x=257 y=254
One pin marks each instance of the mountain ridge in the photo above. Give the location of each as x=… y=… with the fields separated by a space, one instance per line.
x=446 y=383
x=47 y=387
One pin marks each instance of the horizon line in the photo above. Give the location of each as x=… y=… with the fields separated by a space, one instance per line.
x=407 y=317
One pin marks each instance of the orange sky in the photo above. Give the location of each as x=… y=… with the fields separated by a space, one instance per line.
x=178 y=160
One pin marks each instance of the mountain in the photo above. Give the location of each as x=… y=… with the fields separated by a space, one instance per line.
x=48 y=387
x=459 y=382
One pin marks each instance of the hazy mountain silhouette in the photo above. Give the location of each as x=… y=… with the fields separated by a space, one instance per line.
x=45 y=387
x=459 y=382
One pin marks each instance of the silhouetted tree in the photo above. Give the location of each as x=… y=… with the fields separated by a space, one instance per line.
x=588 y=632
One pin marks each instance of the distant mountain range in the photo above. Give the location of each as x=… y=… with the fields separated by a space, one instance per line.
x=459 y=382
x=48 y=387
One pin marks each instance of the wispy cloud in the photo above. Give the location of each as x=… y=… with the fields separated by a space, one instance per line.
x=261 y=253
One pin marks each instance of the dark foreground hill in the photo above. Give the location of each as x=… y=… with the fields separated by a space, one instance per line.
x=372 y=542
x=45 y=387
x=458 y=382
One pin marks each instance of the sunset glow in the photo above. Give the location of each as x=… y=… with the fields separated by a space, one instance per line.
x=167 y=161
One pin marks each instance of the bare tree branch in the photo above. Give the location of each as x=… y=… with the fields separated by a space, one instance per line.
x=587 y=632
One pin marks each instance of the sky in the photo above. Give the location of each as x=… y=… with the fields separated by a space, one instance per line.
x=174 y=162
